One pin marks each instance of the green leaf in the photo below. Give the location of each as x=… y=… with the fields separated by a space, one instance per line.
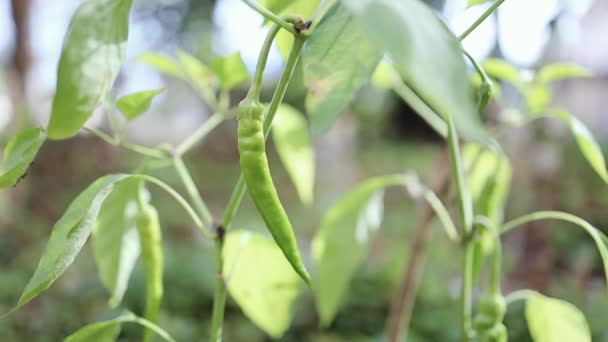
x=195 y=70
x=115 y=240
x=584 y=138
x=338 y=61
x=68 y=236
x=92 y=55
x=303 y=8
x=427 y=55
x=19 y=154
x=503 y=71
x=383 y=76
x=276 y=6
x=107 y=331
x=559 y=71
x=230 y=70
x=341 y=243
x=135 y=104
x=471 y=3
x=551 y=320
x=293 y=143
x=538 y=97
x=162 y=63
x=261 y=280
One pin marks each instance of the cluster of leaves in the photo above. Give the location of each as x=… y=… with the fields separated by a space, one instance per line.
x=425 y=66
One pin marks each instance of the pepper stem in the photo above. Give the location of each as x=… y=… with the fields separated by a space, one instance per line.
x=256 y=86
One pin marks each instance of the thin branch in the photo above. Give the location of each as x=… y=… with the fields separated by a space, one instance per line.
x=401 y=310
x=212 y=122
x=480 y=19
x=192 y=190
x=143 y=150
x=182 y=202
x=270 y=16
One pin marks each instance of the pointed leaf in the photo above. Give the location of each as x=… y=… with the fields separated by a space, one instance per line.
x=19 y=153
x=115 y=240
x=133 y=105
x=68 y=236
x=538 y=97
x=195 y=70
x=383 y=75
x=584 y=138
x=291 y=138
x=551 y=320
x=338 y=61
x=560 y=71
x=427 y=55
x=471 y=3
x=92 y=55
x=230 y=70
x=107 y=331
x=502 y=71
x=261 y=281
x=162 y=63
x=342 y=241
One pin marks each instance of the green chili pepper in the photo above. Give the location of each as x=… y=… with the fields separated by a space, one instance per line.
x=151 y=247
x=254 y=164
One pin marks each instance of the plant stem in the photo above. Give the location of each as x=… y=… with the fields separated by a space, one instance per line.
x=466 y=290
x=180 y=200
x=234 y=202
x=465 y=207
x=142 y=150
x=481 y=19
x=546 y=215
x=465 y=203
x=279 y=93
x=277 y=98
x=256 y=85
x=495 y=276
x=271 y=16
x=401 y=310
x=212 y=122
x=496 y=272
x=193 y=192
x=482 y=73
x=219 y=294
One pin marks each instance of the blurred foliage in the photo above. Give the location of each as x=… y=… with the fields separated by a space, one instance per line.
x=389 y=138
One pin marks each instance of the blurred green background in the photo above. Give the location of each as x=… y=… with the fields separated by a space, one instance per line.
x=378 y=135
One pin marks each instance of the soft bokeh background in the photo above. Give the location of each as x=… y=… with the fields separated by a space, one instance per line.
x=378 y=135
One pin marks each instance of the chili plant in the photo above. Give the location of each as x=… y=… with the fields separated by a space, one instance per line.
x=400 y=45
